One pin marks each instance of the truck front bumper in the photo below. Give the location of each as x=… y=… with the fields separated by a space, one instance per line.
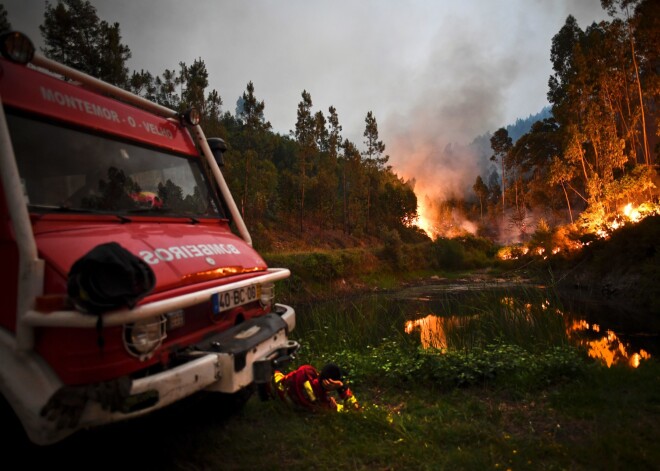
x=222 y=363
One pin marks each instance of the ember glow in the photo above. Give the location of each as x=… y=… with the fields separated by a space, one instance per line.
x=629 y=214
x=603 y=228
x=632 y=214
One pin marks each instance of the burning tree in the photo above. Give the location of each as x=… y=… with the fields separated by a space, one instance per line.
x=597 y=98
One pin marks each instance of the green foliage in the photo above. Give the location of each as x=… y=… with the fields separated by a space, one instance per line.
x=461 y=253
x=74 y=35
x=321 y=266
x=375 y=147
x=448 y=254
x=514 y=342
x=392 y=247
x=394 y=363
x=5 y=25
x=603 y=133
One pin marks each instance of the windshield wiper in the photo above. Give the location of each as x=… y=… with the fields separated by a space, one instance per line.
x=61 y=208
x=149 y=210
x=193 y=219
x=67 y=209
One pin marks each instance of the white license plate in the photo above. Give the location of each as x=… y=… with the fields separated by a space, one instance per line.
x=225 y=300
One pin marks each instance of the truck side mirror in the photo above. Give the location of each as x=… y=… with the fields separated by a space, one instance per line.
x=218 y=147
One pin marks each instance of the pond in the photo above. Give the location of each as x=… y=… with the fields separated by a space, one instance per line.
x=608 y=332
x=464 y=314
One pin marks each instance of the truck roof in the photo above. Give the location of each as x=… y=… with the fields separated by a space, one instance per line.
x=31 y=90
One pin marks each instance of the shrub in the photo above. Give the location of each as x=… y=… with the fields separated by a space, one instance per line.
x=448 y=254
x=393 y=247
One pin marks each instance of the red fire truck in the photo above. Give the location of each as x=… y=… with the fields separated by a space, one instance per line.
x=83 y=164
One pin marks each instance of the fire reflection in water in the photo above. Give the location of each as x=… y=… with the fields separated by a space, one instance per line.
x=608 y=347
x=432 y=331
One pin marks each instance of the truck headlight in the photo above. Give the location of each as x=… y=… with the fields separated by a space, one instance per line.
x=142 y=338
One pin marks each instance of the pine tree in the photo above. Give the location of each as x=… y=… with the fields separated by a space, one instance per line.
x=252 y=140
x=75 y=36
x=4 y=22
x=375 y=147
x=305 y=135
x=374 y=161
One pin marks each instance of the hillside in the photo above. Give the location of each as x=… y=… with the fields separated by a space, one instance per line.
x=624 y=268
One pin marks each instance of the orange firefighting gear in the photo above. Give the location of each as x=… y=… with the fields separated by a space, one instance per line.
x=310 y=389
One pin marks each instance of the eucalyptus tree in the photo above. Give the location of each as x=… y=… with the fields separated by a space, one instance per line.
x=593 y=93
x=501 y=144
x=536 y=151
x=481 y=190
x=627 y=9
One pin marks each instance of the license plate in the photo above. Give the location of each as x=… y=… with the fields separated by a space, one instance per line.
x=225 y=300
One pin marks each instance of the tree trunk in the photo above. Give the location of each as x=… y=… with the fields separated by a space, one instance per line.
x=647 y=158
x=568 y=202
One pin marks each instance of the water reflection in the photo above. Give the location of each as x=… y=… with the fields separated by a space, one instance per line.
x=600 y=343
x=608 y=347
x=431 y=330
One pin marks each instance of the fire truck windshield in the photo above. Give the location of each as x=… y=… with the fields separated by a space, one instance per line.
x=63 y=169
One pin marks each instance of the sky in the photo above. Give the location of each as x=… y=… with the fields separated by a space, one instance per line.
x=433 y=72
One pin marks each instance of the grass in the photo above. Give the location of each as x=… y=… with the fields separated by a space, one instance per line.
x=508 y=392
x=603 y=419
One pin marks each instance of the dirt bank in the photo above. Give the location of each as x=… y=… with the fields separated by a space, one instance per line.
x=623 y=269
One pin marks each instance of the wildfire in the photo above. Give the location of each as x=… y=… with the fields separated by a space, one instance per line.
x=604 y=227
x=424 y=223
x=632 y=214
x=627 y=215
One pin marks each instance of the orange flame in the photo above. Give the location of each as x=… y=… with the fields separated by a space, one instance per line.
x=424 y=222
x=628 y=214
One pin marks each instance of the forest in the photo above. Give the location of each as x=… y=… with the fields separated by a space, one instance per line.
x=594 y=155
